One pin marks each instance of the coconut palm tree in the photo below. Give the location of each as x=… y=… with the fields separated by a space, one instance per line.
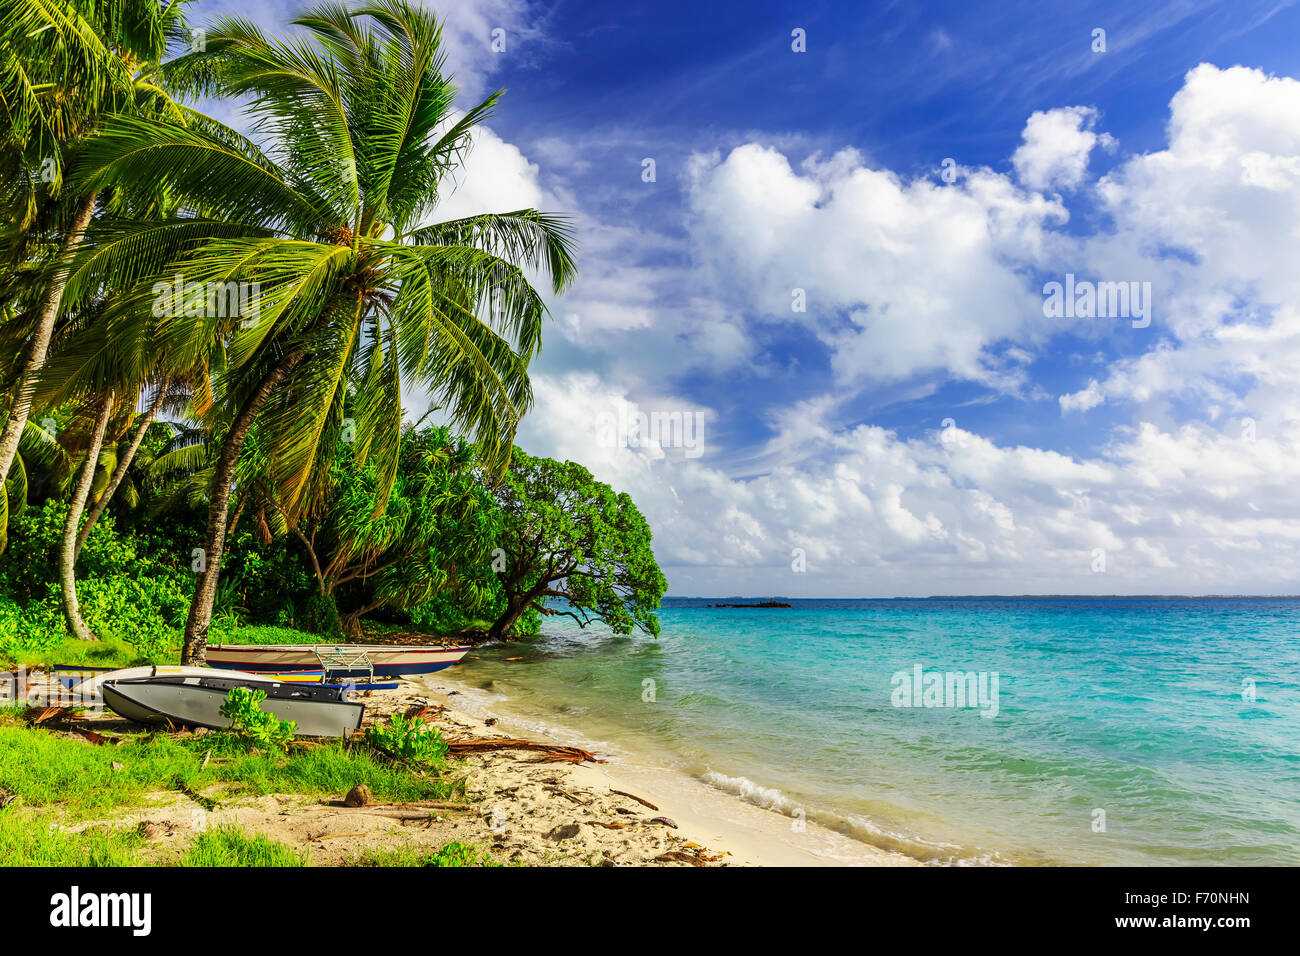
x=63 y=67
x=334 y=225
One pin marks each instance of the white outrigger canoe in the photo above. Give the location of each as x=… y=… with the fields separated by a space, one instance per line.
x=336 y=660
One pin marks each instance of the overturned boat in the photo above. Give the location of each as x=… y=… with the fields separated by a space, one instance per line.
x=196 y=701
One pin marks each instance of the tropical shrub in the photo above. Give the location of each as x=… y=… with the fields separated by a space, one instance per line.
x=243 y=707
x=410 y=740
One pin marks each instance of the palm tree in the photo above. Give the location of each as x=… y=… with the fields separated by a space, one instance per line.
x=80 y=492
x=331 y=224
x=63 y=67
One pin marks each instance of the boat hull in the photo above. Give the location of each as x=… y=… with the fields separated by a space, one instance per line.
x=340 y=660
x=197 y=701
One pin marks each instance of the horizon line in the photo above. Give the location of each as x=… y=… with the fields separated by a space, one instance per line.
x=992 y=597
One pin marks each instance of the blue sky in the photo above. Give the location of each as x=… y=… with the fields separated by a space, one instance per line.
x=922 y=427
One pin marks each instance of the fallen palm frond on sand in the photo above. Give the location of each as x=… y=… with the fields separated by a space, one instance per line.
x=550 y=753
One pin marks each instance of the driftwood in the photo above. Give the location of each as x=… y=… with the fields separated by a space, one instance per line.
x=421 y=804
x=549 y=752
x=633 y=796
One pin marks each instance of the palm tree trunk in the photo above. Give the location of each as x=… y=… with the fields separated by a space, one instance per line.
x=68 y=550
x=214 y=542
x=120 y=471
x=48 y=312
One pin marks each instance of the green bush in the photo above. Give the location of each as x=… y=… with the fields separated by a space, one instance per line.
x=243 y=707
x=411 y=740
x=320 y=615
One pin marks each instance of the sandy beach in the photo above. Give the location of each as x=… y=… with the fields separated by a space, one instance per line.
x=716 y=827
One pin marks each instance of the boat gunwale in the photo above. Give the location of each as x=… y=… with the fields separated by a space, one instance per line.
x=378 y=648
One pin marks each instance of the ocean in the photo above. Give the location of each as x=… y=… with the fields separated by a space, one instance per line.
x=1095 y=731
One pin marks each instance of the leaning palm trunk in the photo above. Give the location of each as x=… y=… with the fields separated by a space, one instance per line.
x=68 y=550
x=214 y=542
x=48 y=312
x=119 y=472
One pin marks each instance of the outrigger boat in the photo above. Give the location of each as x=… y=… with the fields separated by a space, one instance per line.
x=196 y=701
x=336 y=660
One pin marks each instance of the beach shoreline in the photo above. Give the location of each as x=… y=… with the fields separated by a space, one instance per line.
x=729 y=827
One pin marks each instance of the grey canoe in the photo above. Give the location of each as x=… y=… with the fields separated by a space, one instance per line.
x=196 y=702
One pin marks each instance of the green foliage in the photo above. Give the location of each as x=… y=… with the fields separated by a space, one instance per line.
x=229 y=845
x=127 y=593
x=412 y=741
x=431 y=539
x=570 y=538
x=475 y=595
x=266 y=582
x=320 y=615
x=243 y=707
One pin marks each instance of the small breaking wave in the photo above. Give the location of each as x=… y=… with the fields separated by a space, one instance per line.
x=858 y=828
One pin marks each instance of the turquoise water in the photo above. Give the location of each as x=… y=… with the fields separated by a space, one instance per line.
x=1138 y=708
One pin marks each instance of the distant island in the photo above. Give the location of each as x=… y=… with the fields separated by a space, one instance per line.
x=772 y=603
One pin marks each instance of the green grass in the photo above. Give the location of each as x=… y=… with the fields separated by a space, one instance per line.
x=46 y=769
x=105 y=653
x=228 y=845
x=263 y=634
x=450 y=854
x=28 y=840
